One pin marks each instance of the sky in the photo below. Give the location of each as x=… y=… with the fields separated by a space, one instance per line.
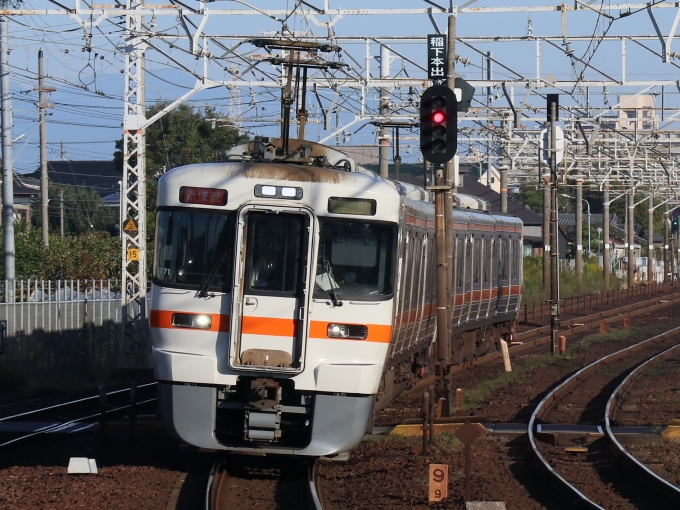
x=85 y=66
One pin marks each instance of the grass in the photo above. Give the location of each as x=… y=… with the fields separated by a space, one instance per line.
x=474 y=397
x=592 y=281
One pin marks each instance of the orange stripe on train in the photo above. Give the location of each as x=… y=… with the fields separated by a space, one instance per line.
x=268 y=326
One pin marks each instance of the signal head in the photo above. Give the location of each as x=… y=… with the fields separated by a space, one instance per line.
x=438 y=117
x=438 y=124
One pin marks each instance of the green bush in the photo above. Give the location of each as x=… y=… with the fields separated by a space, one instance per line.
x=593 y=280
x=95 y=255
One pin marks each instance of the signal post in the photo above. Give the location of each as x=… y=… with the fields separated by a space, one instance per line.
x=438 y=144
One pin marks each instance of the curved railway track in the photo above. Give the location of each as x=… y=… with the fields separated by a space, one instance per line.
x=591 y=475
x=670 y=491
x=533 y=338
x=242 y=481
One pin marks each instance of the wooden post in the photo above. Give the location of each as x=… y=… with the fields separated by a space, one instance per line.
x=506 y=356
x=459 y=401
x=426 y=425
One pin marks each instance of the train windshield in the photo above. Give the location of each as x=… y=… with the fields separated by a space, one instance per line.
x=193 y=247
x=355 y=260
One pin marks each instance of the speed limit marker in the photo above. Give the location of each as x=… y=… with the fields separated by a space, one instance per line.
x=439 y=482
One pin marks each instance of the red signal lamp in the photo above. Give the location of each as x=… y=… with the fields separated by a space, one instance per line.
x=438 y=117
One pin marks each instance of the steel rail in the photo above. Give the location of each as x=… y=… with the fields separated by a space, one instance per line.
x=218 y=473
x=576 y=378
x=72 y=402
x=58 y=426
x=616 y=315
x=313 y=487
x=669 y=490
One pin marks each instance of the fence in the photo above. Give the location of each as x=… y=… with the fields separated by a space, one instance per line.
x=61 y=328
x=585 y=304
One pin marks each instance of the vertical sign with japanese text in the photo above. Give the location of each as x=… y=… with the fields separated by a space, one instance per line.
x=436 y=57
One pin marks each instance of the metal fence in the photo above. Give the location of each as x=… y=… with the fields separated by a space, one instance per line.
x=58 y=305
x=61 y=328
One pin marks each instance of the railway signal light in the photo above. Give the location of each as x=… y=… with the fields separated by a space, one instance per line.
x=674 y=225
x=438 y=124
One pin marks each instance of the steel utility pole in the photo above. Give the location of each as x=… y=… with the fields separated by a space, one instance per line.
x=631 y=236
x=383 y=138
x=579 y=233
x=7 y=172
x=605 y=225
x=554 y=261
x=666 y=271
x=546 y=235
x=43 y=105
x=650 y=239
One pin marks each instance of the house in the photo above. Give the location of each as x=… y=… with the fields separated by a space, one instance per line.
x=98 y=175
x=532 y=229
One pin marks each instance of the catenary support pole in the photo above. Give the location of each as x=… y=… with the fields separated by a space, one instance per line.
x=578 y=209
x=554 y=261
x=546 y=236
x=7 y=158
x=42 y=105
x=504 y=188
x=650 y=240
x=605 y=224
x=383 y=139
x=666 y=258
x=631 y=237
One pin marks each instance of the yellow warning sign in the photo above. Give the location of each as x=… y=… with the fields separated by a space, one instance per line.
x=130 y=225
x=133 y=254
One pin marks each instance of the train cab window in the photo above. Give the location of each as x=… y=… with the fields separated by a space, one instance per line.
x=192 y=247
x=355 y=260
x=274 y=252
x=477 y=261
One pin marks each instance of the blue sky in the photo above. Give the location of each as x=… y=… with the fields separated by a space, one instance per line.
x=88 y=109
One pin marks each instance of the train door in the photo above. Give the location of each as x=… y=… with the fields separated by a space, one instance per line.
x=271 y=275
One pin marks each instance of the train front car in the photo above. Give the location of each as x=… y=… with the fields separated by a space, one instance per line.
x=272 y=304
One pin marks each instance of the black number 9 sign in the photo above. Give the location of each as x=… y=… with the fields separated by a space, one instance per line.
x=438 y=476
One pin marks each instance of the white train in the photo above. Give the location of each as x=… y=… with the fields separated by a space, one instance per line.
x=289 y=297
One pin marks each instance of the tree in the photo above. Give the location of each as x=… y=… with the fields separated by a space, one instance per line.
x=181 y=137
x=84 y=211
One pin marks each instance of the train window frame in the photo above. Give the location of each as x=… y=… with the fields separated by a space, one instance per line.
x=392 y=255
x=226 y=288
x=486 y=258
x=298 y=265
x=477 y=259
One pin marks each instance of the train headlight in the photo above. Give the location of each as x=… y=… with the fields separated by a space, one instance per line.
x=191 y=320
x=347 y=331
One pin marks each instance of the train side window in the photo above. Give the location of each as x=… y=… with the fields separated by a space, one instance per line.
x=468 y=263
x=487 y=258
x=516 y=258
x=477 y=261
x=460 y=262
x=503 y=260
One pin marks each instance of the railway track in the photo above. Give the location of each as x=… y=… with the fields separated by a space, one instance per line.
x=589 y=473
x=76 y=415
x=536 y=337
x=245 y=481
x=670 y=491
